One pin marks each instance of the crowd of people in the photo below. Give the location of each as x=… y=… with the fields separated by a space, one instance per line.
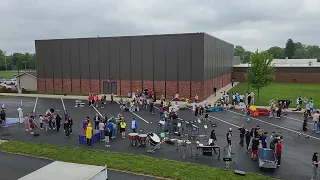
x=107 y=128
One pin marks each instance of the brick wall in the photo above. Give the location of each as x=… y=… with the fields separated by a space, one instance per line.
x=285 y=77
x=218 y=82
x=168 y=88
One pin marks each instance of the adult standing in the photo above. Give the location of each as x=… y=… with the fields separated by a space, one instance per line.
x=123 y=129
x=89 y=133
x=58 y=122
x=315 y=163
x=70 y=124
x=242 y=134
x=229 y=135
x=134 y=125
x=279 y=152
x=254 y=148
x=101 y=130
x=26 y=123
x=215 y=91
x=315 y=119
x=20 y=113
x=96 y=121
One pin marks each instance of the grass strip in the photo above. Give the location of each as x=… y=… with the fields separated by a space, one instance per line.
x=126 y=162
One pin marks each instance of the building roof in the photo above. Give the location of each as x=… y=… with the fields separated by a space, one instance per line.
x=290 y=63
x=32 y=74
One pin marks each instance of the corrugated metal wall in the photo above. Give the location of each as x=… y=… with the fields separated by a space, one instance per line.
x=218 y=57
x=158 y=58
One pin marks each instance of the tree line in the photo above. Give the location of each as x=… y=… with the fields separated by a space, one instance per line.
x=292 y=50
x=17 y=61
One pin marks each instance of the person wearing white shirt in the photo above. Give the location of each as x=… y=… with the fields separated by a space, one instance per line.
x=308 y=110
x=101 y=130
x=311 y=105
x=315 y=119
x=20 y=113
x=134 y=125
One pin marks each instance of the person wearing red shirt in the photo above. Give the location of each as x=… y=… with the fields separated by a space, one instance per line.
x=279 y=152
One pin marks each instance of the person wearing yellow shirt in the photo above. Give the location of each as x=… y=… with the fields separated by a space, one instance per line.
x=89 y=133
x=123 y=129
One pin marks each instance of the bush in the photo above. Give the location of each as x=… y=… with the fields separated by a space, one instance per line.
x=4 y=89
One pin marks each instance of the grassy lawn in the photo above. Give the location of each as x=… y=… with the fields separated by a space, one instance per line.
x=8 y=74
x=283 y=91
x=127 y=162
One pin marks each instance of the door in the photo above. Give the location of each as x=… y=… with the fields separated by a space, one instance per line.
x=222 y=82
x=106 y=89
x=114 y=87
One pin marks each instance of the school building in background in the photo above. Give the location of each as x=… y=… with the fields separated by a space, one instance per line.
x=188 y=64
x=287 y=71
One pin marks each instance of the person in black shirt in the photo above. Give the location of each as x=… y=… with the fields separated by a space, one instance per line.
x=255 y=147
x=315 y=163
x=248 y=139
x=229 y=135
x=66 y=127
x=242 y=133
x=58 y=122
x=214 y=138
x=305 y=127
x=215 y=91
x=70 y=121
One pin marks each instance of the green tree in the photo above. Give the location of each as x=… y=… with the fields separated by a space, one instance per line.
x=246 y=56
x=276 y=52
x=290 y=49
x=260 y=74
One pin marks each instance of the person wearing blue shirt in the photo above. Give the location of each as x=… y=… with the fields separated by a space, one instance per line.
x=110 y=127
x=134 y=125
x=264 y=140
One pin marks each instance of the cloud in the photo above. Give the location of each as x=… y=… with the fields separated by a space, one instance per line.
x=250 y=23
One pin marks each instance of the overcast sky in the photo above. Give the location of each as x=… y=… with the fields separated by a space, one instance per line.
x=253 y=24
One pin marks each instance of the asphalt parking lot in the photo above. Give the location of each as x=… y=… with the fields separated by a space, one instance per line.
x=297 y=150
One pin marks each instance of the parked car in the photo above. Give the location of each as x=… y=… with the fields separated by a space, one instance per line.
x=9 y=88
x=10 y=82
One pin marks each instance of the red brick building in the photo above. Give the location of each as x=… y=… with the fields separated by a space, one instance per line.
x=287 y=71
x=189 y=64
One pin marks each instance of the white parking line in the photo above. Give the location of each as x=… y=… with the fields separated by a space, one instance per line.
x=64 y=107
x=138 y=116
x=35 y=105
x=226 y=122
x=275 y=125
x=97 y=111
x=296 y=119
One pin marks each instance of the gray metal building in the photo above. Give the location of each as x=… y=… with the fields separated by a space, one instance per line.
x=167 y=63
